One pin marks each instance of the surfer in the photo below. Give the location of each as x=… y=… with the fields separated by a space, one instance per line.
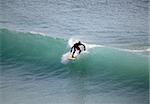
x=76 y=47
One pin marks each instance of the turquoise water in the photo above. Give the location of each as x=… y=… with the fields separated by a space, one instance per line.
x=32 y=72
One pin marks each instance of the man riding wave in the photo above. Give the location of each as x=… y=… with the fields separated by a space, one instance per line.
x=76 y=47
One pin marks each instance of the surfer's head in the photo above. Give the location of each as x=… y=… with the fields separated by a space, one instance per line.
x=79 y=42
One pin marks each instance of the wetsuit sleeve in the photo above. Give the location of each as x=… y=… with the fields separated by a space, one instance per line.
x=71 y=49
x=84 y=46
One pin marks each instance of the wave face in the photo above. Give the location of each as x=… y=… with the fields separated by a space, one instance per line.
x=31 y=66
x=34 y=49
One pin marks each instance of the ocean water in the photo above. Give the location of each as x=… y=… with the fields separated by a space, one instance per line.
x=36 y=36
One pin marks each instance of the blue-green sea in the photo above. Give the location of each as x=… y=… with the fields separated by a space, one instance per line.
x=35 y=39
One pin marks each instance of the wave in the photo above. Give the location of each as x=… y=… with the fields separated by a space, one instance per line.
x=98 y=62
x=29 y=47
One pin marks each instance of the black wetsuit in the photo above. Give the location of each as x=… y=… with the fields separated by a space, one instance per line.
x=76 y=47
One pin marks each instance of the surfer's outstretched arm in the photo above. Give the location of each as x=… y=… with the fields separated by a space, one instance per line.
x=84 y=47
x=71 y=49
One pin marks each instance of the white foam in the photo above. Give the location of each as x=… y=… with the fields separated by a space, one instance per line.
x=137 y=50
x=72 y=41
x=40 y=33
x=64 y=58
x=148 y=49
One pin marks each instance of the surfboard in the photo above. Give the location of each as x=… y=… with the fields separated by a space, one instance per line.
x=71 y=58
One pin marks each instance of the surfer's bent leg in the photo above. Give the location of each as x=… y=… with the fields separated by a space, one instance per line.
x=73 y=53
x=79 y=51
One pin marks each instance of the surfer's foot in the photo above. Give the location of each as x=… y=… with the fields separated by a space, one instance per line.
x=73 y=57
